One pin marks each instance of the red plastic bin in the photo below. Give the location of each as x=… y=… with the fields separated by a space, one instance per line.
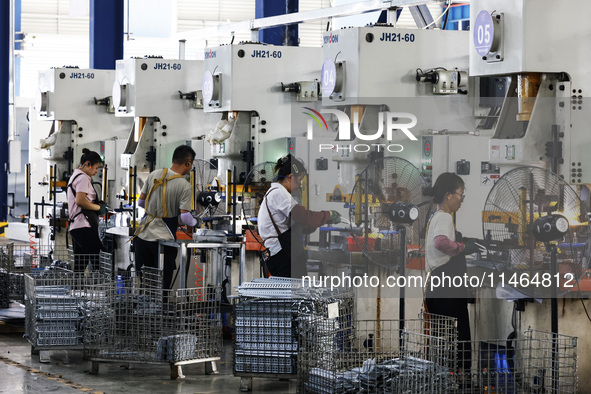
x=354 y=244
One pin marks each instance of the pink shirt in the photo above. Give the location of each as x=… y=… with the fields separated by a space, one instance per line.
x=82 y=184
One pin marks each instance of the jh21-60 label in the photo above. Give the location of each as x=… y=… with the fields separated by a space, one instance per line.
x=82 y=76
x=398 y=37
x=266 y=54
x=167 y=66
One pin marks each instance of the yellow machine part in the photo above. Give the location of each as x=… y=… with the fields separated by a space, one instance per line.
x=528 y=86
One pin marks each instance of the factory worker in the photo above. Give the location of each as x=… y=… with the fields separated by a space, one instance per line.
x=84 y=210
x=282 y=222
x=166 y=197
x=445 y=253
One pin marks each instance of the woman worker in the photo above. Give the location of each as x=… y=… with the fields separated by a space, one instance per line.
x=84 y=210
x=282 y=222
x=446 y=254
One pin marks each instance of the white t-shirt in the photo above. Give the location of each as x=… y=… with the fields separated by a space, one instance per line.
x=280 y=204
x=82 y=184
x=441 y=223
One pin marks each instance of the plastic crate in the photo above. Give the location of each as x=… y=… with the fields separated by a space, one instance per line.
x=355 y=244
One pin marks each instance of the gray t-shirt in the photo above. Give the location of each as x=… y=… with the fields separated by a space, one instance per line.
x=178 y=196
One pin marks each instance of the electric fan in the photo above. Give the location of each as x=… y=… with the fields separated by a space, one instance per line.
x=257 y=183
x=537 y=232
x=388 y=206
x=387 y=202
x=208 y=195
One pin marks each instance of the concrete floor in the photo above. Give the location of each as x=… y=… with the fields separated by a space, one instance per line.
x=67 y=372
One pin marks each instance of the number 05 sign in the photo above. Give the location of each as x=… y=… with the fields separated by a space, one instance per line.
x=484 y=33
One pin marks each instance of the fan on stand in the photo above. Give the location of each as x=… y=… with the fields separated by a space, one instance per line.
x=257 y=183
x=206 y=206
x=537 y=234
x=388 y=206
x=537 y=231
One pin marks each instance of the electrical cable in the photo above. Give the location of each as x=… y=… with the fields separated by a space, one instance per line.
x=582 y=302
x=444 y=24
x=438 y=18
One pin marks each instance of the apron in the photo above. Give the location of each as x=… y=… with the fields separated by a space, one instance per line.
x=453 y=302
x=292 y=249
x=456 y=266
x=91 y=216
x=171 y=222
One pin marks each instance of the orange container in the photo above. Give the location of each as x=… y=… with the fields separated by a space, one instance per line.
x=254 y=241
x=414 y=259
x=355 y=246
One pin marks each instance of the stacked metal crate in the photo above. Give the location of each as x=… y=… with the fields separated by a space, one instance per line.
x=25 y=259
x=5 y=259
x=267 y=318
x=147 y=324
x=534 y=362
x=55 y=307
x=266 y=337
x=377 y=356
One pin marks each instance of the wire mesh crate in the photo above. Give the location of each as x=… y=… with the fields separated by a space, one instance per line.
x=537 y=362
x=55 y=307
x=25 y=259
x=266 y=341
x=151 y=325
x=4 y=288
x=377 y=356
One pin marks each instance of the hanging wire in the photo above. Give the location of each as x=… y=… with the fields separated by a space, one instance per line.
x=439 y=17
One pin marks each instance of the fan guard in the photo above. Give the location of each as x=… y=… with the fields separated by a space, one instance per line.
x=383 y=185
x=206 y=184
x=521 y=197
x=257 y=183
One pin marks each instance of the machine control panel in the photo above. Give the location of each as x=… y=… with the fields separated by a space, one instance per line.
x=427 y=159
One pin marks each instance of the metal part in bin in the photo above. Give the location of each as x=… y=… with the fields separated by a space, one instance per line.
x=536 y=362
x=151 y=325
x=376 y=356
x=55 y=303
x=267 y=327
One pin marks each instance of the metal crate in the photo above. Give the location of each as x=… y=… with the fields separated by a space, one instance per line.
x=377 y=356
x=151 y=325
x=266 y=340
x=4 y=289
x=55 y=306
x=537 y=362
x=19 y=259
x=6 y=274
